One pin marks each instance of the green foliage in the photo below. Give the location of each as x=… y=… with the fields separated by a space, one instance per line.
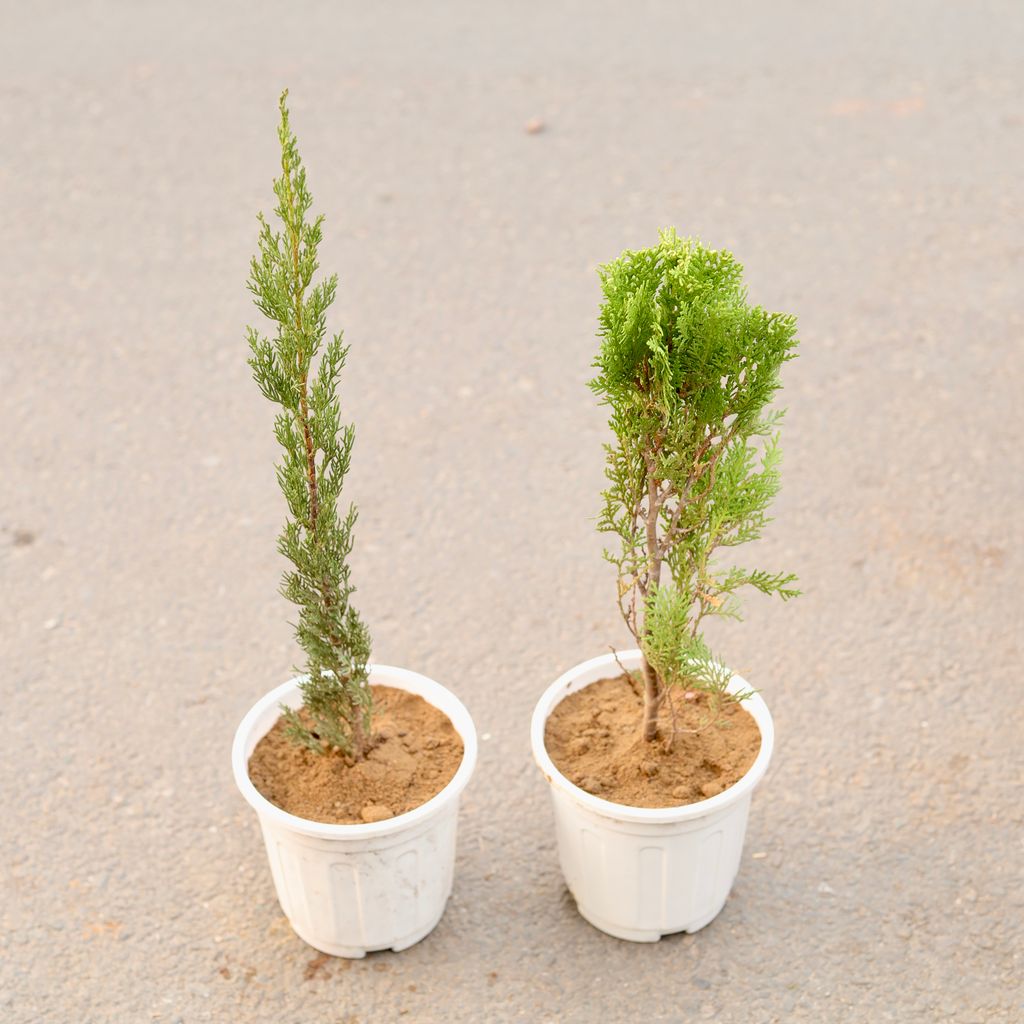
x=679 y=656
x=316 y=452
x=688 y=369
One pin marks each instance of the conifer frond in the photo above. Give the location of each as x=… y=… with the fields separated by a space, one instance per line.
x=316 y=453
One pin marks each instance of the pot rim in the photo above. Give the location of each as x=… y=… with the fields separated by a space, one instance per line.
x=387 y=675
x=560 y=689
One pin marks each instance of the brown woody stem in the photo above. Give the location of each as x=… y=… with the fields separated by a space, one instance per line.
x=360 y=741
x=653 y=687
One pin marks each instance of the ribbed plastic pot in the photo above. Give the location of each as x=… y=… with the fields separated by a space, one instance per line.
x=350 y=889
x=640 y=873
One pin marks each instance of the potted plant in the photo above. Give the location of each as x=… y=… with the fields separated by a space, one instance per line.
x=652 y=754
x=354 y=769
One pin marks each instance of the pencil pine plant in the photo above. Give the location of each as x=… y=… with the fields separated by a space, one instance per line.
x=688 y=368
x=316 y=453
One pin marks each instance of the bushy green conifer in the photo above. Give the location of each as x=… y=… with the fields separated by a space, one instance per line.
x=317 y=449
x=688 y=369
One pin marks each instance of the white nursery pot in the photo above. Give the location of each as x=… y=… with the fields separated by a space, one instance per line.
x=642 y=872
x=350 y=889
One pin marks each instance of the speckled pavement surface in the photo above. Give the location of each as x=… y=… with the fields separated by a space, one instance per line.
x=862 y=159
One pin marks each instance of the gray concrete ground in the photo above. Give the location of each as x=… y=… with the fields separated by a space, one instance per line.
x=863 y=159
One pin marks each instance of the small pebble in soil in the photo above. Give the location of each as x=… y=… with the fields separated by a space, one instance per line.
x=681 y=792
x=376 y=812
x=591 y=785
x=649 y=768
x=710 y=789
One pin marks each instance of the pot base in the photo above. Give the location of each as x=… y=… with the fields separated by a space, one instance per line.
x=359 y=952
x=643 y=935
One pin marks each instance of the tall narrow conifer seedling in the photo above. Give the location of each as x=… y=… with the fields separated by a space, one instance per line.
x=317 y=449
x=330 y=784
x=688 y=369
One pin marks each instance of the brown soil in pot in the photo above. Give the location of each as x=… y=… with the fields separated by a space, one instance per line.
x=593 y=737
x=416 y=753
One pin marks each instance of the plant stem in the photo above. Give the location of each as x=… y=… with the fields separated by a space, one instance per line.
x=304 y=381
x=652 y=701
x=653 y=687
x=360 y=740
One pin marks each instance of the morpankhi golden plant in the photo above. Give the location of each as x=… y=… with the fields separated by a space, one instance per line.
x=688 y=369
